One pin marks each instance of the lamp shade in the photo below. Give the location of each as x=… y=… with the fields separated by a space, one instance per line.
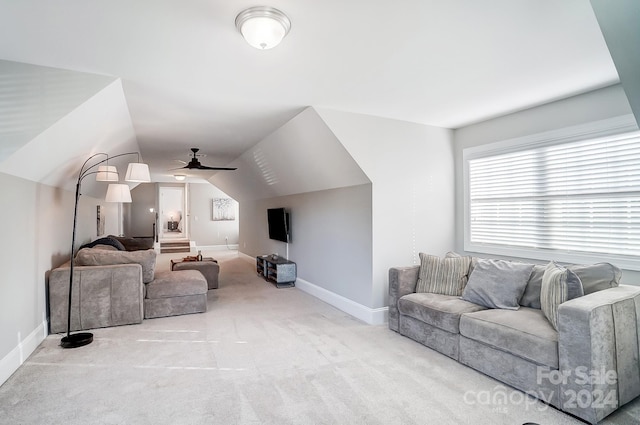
x=107 y=173
x=263 y=27
x=118 y=192
x=137 y=172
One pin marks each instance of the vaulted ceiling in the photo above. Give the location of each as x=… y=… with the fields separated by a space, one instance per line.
x=190 y=80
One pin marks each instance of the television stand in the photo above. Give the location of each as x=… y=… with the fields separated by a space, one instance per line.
x=277 y=270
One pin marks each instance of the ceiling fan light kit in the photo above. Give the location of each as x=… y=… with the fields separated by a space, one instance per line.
x=263 y=27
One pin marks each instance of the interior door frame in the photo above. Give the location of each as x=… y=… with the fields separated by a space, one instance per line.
x=165 y=211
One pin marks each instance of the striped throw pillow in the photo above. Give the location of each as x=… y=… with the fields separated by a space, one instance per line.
x=559 y=284
x=445 y=276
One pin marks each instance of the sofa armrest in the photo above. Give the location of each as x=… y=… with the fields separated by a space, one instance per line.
x=102 y=296
x=402 y=281
x=598 y=348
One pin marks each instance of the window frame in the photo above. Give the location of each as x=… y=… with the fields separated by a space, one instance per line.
x=602 y=128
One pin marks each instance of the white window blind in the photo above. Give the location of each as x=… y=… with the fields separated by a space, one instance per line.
x=578 y=197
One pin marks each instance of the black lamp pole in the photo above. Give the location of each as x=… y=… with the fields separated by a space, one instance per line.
x=81 y=338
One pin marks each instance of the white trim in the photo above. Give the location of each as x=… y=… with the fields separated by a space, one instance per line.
x=601 y=128
x=372 y=316
x=230 y=247
x=247 y=257
x=16 y=357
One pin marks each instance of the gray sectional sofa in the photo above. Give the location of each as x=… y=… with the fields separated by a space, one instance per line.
x=113 y=287
x=577 y=351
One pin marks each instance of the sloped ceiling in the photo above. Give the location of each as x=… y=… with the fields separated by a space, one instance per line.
x=620 y=25
x=33 y=98
x=301 y=156
x=190 y=80
x=68 y=117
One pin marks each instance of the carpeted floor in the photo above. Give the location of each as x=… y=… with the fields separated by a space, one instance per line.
x=259 y=355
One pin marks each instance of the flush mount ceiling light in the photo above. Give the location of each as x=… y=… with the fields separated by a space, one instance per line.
x=263 y=27
x=179 y=177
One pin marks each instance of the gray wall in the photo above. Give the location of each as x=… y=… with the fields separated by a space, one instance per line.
x=331 y=234
x=138 y=219
x=36 y=239
x=597 y=105
x=204 y=231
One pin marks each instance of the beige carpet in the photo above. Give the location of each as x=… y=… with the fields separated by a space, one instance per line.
x=259 y=355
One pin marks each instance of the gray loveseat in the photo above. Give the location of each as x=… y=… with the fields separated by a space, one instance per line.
x=580 y=354
x=113 y=287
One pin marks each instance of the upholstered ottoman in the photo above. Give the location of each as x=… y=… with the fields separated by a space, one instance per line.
x=207 y=266
x=172 y=293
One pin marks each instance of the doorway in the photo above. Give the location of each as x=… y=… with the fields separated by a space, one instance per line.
x=172 y=217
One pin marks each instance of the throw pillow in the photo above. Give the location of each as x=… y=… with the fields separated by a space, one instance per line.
x=107 y=240
x=596 y=277
x=497 y=283
x=444 y=276
x=558 y=285
x=99 y=257
x=531 y=296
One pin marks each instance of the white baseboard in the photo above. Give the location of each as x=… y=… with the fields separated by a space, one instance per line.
x=12 y=361
x=372 y=316
x=247 y=257
x=230 y=247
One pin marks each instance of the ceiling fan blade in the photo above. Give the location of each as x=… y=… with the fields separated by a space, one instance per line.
x=204 y=167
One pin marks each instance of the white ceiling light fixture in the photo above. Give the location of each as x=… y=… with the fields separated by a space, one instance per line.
x=179 y=177
x=263 y=27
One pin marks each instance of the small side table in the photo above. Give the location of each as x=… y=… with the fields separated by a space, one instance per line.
x=277 y=270
x=207 y=266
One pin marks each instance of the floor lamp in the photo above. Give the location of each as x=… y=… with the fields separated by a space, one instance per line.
x=136 y=172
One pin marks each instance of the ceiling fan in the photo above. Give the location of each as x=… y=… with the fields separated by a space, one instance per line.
x=195 y=164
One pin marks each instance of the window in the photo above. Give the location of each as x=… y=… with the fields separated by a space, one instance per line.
x=574 y=197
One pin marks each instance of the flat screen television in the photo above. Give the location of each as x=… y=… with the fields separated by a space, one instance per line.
x=278 y=220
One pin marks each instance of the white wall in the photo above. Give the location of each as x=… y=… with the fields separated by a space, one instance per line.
x=593 y=106
x=37 y=239
x=411 y=169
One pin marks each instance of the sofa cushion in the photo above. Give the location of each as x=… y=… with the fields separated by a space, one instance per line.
x=441 y=311
x=531 y=296
x=445 y=276
x=100 y=257
x=169 y=284
x=558 y=285
x=596 y=277
x=525 y=333
x=497 y=283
